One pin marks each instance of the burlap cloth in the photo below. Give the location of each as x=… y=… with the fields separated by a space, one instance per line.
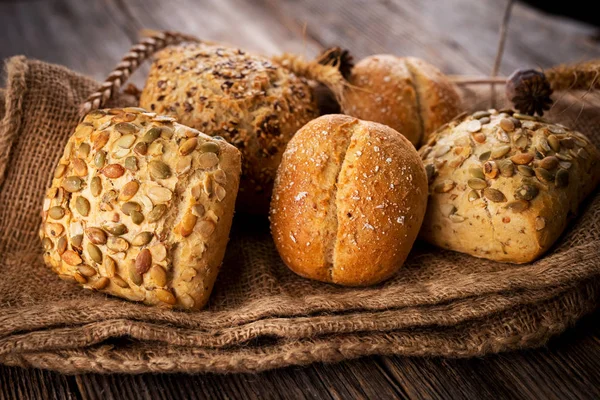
x=261 y=315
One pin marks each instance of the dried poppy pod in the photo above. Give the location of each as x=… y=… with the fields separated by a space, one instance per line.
x=140 y=207
x=255 y=103
x=405 y=93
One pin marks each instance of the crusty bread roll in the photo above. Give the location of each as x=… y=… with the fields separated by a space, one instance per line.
x=503 y=186
x=253 y=103
x=348 y=201
x=405 y=93
x=140 y=207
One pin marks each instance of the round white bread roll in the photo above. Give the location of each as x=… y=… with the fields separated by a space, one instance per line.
x=348 y=201
x=405 y=93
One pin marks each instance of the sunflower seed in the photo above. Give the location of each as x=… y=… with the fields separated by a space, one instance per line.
x=522 y=158
x=116 y=229
x=457 y=218
x=110 y=266
x=126 y=128
x=445 y=186
x=220 y=192
x=206 y=228
x=117 y=280
x=507 y=168
x=159 y=252
x=494 y=195
x=100 y=140
x=490 y=169
x=503 y=137
x=480 y=114
x=525 y=170
x=526 y=192
x=71 y=257
x=565 y=164
x=129 y=190
x=549 y=162
x=67 y=278
x=567 y=143
x=473 y=126
x=151 y=135
x=209 y=147
x=84 y=150
x=543 y=146
x=80 y=278
x=479 y=137
x=158 y=275
x=159 y=170
x=554 y=143
x=207 y=184
x=477 y=184
x=447 y=209
x=94 y=253
x=524 y=117
x=143 y=261
x=485 y=156
x=473 y=195
x=126 y=208
x=187 y=224
x=165 y=296
x=543 y=175
x=521 y=142
x=117 y=244
x=131 y=163
x=429 y=171
x=582 y=153
x=540 y=223
x=562 y=178
x=47 y=244
x=72 y=184
x=556 y=129
x=142 y=239
x=442 y=150
x=60 y=171
x=159 y=194
x=82 y=205
x=134 y=275
x=507 y=125
x=113 y=171
x=500 y=151
x=100 y=283
x=188 y=146
x=96 y=186
x=136 y=217
x=424 y=151
x=61 y=245
x=56 y=212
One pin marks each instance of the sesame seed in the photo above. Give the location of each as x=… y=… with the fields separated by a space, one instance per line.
x=369 y=226
x=388 y=160
x=300 y=196
x=293 y=238
x=400 y=220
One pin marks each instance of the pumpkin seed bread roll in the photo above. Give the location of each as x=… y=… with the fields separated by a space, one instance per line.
x=140 y=207
x=348 y=201
x=405 y=93
x=253 y=103
x=504 y=185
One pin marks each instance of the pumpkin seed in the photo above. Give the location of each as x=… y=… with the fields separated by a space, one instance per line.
x=166 y=132
x=485 y=156
x=56 y=212
x=524 y=117
x=159 y=194
x=207 y=184
x=116 y=229
x=100 y=159
x=554 y=143
x=209 y=147
x=191 y=133
x=60 y=171
x=490 y=169
x=141 y=148
x=507 y=168
x=159 y=170
x=503 y=137
x=430 y=171
x=473 y=195
x=142 y=239
x=61 y=245
x=54 y=230
x=442 y=150
x=525 y=170
x=125 y=141
x=480 y=114
x=76 y=241
x=188 y=274
x=79 y=278
x=485 y=120
x=455 y=217
x=96 y=114
x=447 y=209
x=473 y=126
x=424 y=151
x=129 y=190
x=131 y=163
x=143 y=261
x=543 y=175
x=183 y=164
x=72 y=184
x=47 y=244
x=479 y=137
x=151 y=135
x=220 y=192
x=562 y=178
x=126 y=128
x=79 y=167
x=582 y=153
x=157 y=212
x=113 y=171
x=110 y=266
x=135 y=276
x=188 y=146
x=206 y=227
x=136 y=217
x=445 y=186
x=96 y=235
x=518 y=206
x=549 y=162
x=165 y=296
x=84 y=150
x=159 y=252
x=507 y=125
x=100 y=283
x=521 y=142
x=117 y=244
x=82 y=205
x=67 y=278
x=515 y=121
x=522 y=158
x=565 y=164
x=158 y=275
x=526 y=192
x=187 y=224
x=117 y=280
x=477 y=184
x=540 y=223
x=126 y=208
x=94 y=253
x=567 y=143
x=198 y=210
x=543 y=146
x=500 y=151
x=96 y=186
x=100 y=140
x=494 y=195
x=71 y=258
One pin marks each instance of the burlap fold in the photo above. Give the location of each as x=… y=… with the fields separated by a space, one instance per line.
x=261 y=315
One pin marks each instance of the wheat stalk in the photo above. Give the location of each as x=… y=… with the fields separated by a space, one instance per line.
x=138 y=53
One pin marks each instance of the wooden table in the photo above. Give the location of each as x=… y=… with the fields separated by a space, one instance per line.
x=459 y=36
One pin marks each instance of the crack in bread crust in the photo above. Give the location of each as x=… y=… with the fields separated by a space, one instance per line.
x=418 y=99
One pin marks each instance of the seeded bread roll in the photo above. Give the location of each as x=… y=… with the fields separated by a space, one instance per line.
x=503 y=186
x=253 y=103
x=405 y=93
x=348 y=201
x=140 y=207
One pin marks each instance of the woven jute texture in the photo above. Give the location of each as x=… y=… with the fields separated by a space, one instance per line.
x=261 y=315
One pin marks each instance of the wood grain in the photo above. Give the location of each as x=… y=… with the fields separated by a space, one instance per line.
x=459 y=36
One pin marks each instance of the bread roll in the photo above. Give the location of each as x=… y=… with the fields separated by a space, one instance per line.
x=140 y=207
x=348 y=201
x=405 y=93
x=253 y=103
x=503 y=186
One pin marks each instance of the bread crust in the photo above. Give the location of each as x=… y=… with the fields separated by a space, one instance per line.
x=526 y=215
x=254 y=104
x=140 y=207
x=348 y=202
x=405 y=93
